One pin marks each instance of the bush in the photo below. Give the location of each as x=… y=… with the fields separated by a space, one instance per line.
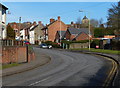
x=94 y=43
x=115 y=45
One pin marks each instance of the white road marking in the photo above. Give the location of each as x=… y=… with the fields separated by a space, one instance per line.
x=38 y=82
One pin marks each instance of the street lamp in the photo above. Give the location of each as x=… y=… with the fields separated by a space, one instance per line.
x=89 y=25
x=60 y=32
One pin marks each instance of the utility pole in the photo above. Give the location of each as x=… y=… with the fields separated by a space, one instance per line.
x=19 y=27
x=89 y=26
x=60 y=32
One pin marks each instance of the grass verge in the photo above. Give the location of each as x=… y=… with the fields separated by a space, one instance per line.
x=99 y=50
x=9 y=65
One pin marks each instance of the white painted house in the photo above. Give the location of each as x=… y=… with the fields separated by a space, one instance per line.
x=3 y=33
x=22 y=34
x=36 y=34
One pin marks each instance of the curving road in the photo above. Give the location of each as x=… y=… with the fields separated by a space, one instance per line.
x=65 y=69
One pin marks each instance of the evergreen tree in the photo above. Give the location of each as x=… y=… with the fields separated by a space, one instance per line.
x=114 y=17
x=10 y=32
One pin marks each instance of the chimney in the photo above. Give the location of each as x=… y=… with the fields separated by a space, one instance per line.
x=14 y=25
x=72 y=22
x=52 y=20
x=58 y=18
x=34 y=23
x=39 y=22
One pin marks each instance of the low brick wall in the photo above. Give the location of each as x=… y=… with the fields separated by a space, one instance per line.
x=12 y=54
x=31 y=56
x=16 y=54
x=78 y=45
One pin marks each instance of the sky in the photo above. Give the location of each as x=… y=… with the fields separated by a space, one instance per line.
x=68 y=11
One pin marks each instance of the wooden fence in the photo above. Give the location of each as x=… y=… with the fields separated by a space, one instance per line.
x=12 y=43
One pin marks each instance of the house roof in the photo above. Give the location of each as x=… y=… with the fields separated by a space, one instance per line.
x=48 y=25
x=4 y=6
x=20 y=26
x=33 y=27
x=79 y=34
x=27 y=26
x=78 y=31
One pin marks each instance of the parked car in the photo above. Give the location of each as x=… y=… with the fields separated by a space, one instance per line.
x=45 y=46
x=27 y=42
x=49 y=46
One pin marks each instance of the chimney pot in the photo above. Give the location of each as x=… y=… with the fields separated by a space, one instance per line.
x=72 y=22
x=39 y=22
x=34 y=23
x=52 y=20
x=58 y=18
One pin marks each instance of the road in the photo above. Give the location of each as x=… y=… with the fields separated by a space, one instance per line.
x=65 y=69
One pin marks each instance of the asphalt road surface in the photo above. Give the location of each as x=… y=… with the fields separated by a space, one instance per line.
x=64 y=69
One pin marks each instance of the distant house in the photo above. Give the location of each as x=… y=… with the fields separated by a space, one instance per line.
x=21 y=29
x=36 y=34
x=74 y=25
x=109 y=36
x=24 y=33
x=51 y=29
x=3 y=33
x=77 y=34
x=83 y=24
x=59 y=35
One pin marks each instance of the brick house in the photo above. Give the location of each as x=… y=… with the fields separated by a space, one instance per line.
x=51 y=29
x=20 y=28
x=59 y=35
x=74 y=25
x=81 y=36
x=77 y=34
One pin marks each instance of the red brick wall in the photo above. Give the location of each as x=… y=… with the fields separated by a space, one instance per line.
x=72 y=36
x=82 y=36
x=12 y=54
x=57 y=36
x=67 y=35
x=53 y=28
x=17 y=54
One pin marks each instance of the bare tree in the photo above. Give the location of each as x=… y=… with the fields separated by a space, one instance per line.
x=94 y=22
x=78 y=20
x=100 y=21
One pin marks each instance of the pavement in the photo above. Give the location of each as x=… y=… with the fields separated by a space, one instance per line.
x=40 y=60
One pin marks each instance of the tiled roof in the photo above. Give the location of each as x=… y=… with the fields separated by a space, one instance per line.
x=61 y=32
x=20 y=26
x=77 y=31
x=48 y=25
x=33 y=27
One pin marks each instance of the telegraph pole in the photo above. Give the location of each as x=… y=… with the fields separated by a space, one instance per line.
x=89 y=26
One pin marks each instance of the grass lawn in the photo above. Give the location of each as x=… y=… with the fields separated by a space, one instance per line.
x=9 y=65
x=100 y=50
